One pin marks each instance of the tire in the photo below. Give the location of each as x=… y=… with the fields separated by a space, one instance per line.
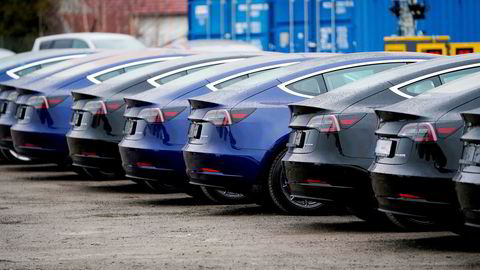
x=279 y=194
x=407 y=223
x=97 y=174
x=224 y=197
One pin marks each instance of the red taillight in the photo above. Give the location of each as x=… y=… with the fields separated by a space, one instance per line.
x=144 y=164
x=315 y=181
x=408 y=196
x=99 y=107
x=325 y=123
x=113 y=105
x=224 y=117
x=43 y=102
x=419 y=132
x=156 y=115
x=348 y=120
x=209 y=170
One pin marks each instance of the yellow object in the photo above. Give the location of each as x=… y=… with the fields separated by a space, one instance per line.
x=395 y=47
x=417 y=38
x=464 y=47
x=436 y=48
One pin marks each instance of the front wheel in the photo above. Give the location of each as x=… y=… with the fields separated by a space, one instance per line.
x=279 y=193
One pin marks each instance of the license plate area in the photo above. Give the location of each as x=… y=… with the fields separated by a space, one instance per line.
x=3 y=108
x=77 y=119
x=195 y=131
x=385 y=148
x=21 y=110
x=299 y=139
x=130 y=127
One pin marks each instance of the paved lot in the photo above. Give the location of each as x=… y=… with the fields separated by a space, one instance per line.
x=51 y=219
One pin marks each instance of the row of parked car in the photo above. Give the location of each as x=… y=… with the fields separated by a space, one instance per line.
x=394 y=137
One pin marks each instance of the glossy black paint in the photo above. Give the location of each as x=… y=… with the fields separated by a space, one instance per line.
x=467 y=179
x=416 y=178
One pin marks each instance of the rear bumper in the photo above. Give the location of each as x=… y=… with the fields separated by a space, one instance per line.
x=154 y=165
x=431 y=198
x=47 y=147
x=96 y=154
x=329 y=183
x=6 y=137
x=227 y=171
x=469 y=198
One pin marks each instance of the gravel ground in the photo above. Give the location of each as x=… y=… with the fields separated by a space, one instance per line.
x=57 y=220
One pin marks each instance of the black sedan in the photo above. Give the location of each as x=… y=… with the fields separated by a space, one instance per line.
x=418 y=150
x=333 y=140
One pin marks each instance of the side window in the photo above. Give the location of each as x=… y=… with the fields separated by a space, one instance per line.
x=110 y=74
x=51 y=63
x=46 y=45
x=339 y=78
x=170 y=78
x=260 y=72
x=231 y=81
x=312 y=86
x=79 y=44
x=62 y=44
x=448 y=77
x=420 y=87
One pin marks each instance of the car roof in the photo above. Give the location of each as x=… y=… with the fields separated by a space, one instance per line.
x=347 y=95
x=29 y=57
x=440 y=100
x=251 y=86
x=203 y=77
x=143 y=73
x=94 y=66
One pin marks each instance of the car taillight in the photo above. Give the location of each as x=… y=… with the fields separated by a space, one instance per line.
x=224 y=117
x=99 y=107
x=324 y=123
x=348 y=120
x=445 y=129
x=43 y=102
x=96 y=107
x=419 y=132
x=156 y=115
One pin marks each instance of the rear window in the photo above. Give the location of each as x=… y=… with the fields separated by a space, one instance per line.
x=339 y=78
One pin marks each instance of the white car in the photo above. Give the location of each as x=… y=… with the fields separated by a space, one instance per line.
x=87 y=40
x=5 y=53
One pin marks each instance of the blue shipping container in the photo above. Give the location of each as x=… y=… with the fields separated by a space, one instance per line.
x=306 y=25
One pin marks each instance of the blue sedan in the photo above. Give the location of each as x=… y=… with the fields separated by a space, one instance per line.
x=238 y=135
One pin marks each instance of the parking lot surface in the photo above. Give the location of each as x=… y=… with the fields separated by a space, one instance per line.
x=51 y=219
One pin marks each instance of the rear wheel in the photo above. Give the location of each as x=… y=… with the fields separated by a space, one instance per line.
x=223 y=196
x=410 y=223
x=281 y=197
